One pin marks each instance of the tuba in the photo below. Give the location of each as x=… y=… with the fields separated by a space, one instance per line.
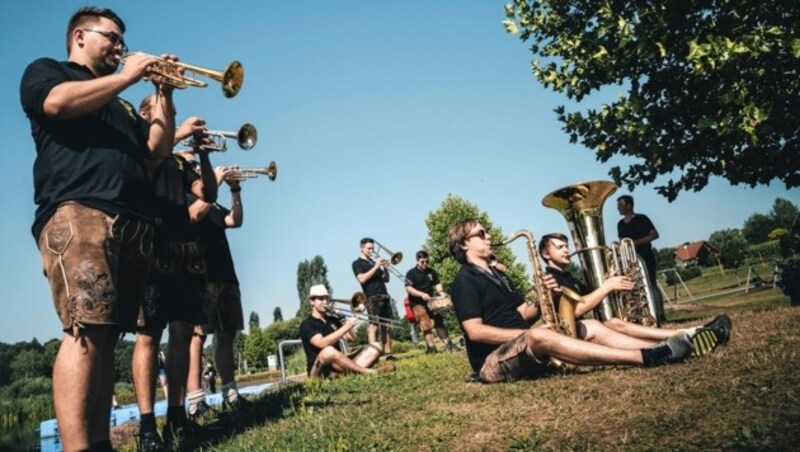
x=562 y=322
x=638 y=305
x=582 y=207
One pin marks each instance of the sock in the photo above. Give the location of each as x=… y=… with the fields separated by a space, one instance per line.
x=176 y=415
x=147 y=423
x=195 y=397
x=690 y=331
x=229 y=391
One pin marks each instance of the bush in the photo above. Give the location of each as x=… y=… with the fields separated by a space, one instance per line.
x=690 y=273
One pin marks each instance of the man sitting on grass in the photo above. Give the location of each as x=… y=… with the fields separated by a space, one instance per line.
x=321 y=333
x=500 y=343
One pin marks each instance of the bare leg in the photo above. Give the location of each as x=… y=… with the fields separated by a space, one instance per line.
x=544 y=342
x=194 y=380
x=594 y=331
x=442 y=332
x=372 y=332
x=145 y=353
x=340 y=362
x=101 y=412
x=76 y=389
x=639 y=331
x=428 y=338
x=180 y=335
x=387 y=340
x=224 y=355
x=368 y=355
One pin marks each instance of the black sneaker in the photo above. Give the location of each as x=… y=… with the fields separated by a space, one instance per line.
x=671 y=350
x=150 y=442
x=390 y=357
x=721 y=326
x=704 y=341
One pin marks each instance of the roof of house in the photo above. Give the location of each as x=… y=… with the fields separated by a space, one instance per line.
x=689 y=251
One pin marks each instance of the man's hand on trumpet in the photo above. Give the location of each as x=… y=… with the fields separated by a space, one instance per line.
x=191 y=126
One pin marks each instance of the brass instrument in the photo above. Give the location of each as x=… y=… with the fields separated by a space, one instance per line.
x=271 y=171
x=246 y=138
x=170 y=73
x=638 y=305
x=356 y=307
x=564 y=321
x=582 y=207
x=394 y=259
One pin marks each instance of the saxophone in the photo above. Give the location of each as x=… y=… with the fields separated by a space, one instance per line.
x=562 y=322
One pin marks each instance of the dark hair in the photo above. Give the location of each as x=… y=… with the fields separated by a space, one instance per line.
x=90 y=14
x=422 y=254
x=455 y=237
x=627 y=199
x=366 y=240
x=546 y=239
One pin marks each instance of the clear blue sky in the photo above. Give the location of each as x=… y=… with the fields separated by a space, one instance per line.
x=374 y=111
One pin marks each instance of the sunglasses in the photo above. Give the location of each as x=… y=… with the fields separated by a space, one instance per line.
x=479 y=233
x=318 y=297
x=115 y=39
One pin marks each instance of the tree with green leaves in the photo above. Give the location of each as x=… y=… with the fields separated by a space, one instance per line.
x=277 y=315
x=709 y=86
x=310 y=273
x=255 y=321
x=731 y=246
x=453 y=210
x=257 y=347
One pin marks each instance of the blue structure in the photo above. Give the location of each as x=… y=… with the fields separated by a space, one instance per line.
x=50 y=441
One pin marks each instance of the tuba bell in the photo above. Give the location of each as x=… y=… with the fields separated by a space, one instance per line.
x=582 y=207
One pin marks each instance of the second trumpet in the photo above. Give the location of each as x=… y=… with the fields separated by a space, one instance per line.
x=246 y=137
x=271 y=171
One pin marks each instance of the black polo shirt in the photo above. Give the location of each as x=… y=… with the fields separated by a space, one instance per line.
x=424 y=281
x=476 y=294
x=309 y=328
x=172 y=181
x=96 y=159
x=374 y=285
x=211 y=233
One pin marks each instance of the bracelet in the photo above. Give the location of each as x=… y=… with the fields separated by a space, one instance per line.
x=236 y=190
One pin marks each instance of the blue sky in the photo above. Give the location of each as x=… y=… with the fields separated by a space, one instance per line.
x=374 y=112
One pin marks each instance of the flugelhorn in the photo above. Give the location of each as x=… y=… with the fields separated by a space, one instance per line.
x=246 y=138
x=271 y=171
x=170 y=73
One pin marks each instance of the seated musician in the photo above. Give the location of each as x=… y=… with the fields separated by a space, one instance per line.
x=420 y=282
x=321 y=333
x=502 y=346
x=554 y=249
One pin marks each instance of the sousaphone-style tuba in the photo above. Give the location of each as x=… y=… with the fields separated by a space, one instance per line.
x=582 y=207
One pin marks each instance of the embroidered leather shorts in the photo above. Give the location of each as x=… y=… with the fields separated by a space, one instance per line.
x=512 y=361
x=222 y=305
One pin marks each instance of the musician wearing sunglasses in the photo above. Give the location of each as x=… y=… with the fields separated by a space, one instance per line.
x=93 y=221
x=420 y=284
x=554 y=249
x=172 y=292
x=496 y=319
x=321 y=333
x=373 y=276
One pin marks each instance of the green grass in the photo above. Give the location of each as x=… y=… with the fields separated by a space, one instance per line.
x=745 y=395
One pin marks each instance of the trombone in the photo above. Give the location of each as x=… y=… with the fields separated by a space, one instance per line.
x=171 y=74
x=245 y=137
x=394 y=259
x=356 y=307
x=271 y=171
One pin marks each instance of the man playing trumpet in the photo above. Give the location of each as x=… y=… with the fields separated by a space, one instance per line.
x=321 y=333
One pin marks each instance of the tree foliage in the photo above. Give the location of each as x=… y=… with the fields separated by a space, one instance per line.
x=277 y=314
x=255 y=321
x=731 y=246
x=710 y=85
x=452 y=210
x=759 y=228
x=257 y=348
x=310 y=273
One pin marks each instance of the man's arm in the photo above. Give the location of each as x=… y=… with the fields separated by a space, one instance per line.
x=652 y=235
x=593 y=299
x=477 y=331
x=364 y=277
x=205 y=188
x=319 y=341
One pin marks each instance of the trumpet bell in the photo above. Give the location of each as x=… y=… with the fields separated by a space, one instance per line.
x=247 y=137
x=272 y=171
x=232 y=80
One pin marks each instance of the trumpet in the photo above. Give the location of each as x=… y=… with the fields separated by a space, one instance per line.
x=356 y=307
x=394 y=259
x=271 y=171
x=170 y=73
x=246 y=138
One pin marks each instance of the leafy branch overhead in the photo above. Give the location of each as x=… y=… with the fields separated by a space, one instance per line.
x=710 y=87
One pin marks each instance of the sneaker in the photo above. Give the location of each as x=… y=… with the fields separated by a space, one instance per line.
x=704 y=341
x=721 y=326
x=390 y=357
x=150 y=442
x=673 y=349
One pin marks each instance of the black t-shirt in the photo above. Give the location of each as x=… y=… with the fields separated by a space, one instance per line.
x=638 y=227
x=309 y=328
x=476 y=294
x=211 y=233
x=424 y=281
x=566 y=279
x=374 y=285
x=171 y=181
x=96 y=159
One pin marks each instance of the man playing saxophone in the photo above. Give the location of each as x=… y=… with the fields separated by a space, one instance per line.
x=496 y=320
x=554 y=250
